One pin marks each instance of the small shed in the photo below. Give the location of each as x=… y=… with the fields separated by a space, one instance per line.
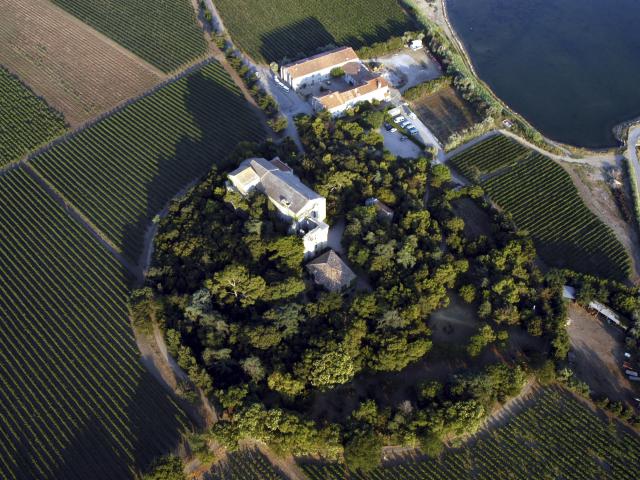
x=606 y=311
x=568 y=292
x=384 y=211
x=330 y=271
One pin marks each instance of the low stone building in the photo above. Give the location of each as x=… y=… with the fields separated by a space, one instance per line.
x=331 y=272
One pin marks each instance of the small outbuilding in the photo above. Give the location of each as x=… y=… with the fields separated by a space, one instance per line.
x=384 y=211
x=331 y=272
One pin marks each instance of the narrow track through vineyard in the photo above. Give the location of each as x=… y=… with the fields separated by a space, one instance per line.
x=123 y=170
x=76 y=402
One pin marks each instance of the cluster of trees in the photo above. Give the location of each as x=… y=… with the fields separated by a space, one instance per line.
x=228 y=286
x=427 y=88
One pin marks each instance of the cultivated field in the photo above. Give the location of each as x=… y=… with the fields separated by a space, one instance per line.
x=79 y=72
x=76 y=403
x=542 y=199
x=246 y=465
x=26 y=121
x=123 y=170
x=445 y=113
x=269 y=30
x=556 y=437
x=164 y=33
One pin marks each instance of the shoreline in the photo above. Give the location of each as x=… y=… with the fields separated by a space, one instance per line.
x=442 y=20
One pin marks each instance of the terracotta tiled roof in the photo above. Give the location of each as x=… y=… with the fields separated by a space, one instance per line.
x=320 y=62
x=335 y=99
x=330 y=271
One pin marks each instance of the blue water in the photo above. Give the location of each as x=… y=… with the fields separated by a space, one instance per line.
x=570 y=67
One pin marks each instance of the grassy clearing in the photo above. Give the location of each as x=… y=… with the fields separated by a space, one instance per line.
x=26 y=121
x=123 y=170
x=164 y=33
x=542 y=199
x=445 y=112
x=274 y=29
x=556 y=437
x=76 y=403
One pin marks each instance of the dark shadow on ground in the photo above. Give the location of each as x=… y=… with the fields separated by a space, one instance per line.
x=309 y=36
x=223 y=118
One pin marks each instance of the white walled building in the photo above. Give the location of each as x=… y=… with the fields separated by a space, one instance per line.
x=296 y=203
x=317 y=68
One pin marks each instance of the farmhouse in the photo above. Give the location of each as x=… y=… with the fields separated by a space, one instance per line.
x=329 y=271
x=355 y=84
x=317 y=68
x=295 y=202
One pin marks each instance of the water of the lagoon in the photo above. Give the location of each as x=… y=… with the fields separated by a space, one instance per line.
x=571 y=67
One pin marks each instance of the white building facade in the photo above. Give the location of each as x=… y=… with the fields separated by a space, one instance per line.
x=296 y=203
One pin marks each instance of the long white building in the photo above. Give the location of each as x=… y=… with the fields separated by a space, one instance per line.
x=305 y=209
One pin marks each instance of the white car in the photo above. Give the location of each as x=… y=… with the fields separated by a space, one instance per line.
x=399 y=119
x=413 y=115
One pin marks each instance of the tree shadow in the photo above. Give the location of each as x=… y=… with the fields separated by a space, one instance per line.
x=156 y=425
x=309 y=36
x=217 y=133
x=296 y=40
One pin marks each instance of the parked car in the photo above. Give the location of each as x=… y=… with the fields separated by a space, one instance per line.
x=393 y=130
x=412 y=115
x=406 y=124
x=387 y=126
x=399 y=119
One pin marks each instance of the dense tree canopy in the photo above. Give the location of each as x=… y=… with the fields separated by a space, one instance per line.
x=248 y=325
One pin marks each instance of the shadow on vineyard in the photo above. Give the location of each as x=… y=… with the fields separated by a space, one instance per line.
x=309 y=36
x=149 y=437
x=313 y=37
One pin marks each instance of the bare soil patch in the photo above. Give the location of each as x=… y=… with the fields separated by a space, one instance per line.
x=598 y=354
x=445 y=113
x=79 y=71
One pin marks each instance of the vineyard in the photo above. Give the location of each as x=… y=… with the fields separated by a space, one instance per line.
x=556 y=437
x=274 y=29
x=82 y=81
x=542 y=199
x=123 y=170
x=489 y=156
x=246 y=465
x=25 y=122
x=76 y=403
x=163 y=33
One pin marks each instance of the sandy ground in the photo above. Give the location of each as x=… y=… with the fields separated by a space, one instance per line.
x=598 y=355
x=408 y=68
x=79 y=71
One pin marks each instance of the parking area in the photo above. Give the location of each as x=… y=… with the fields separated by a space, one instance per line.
x=409 y=68
x=598 y=355
x=393 y=141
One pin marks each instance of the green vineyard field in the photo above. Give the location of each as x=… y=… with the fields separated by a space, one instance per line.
x=558 y=437
x=75 y=401
x=246 y=465
x=26 y=121
x=123 y=170
x=164 y=33
x=542 y=199
x=274 y=29
x=489 y=156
